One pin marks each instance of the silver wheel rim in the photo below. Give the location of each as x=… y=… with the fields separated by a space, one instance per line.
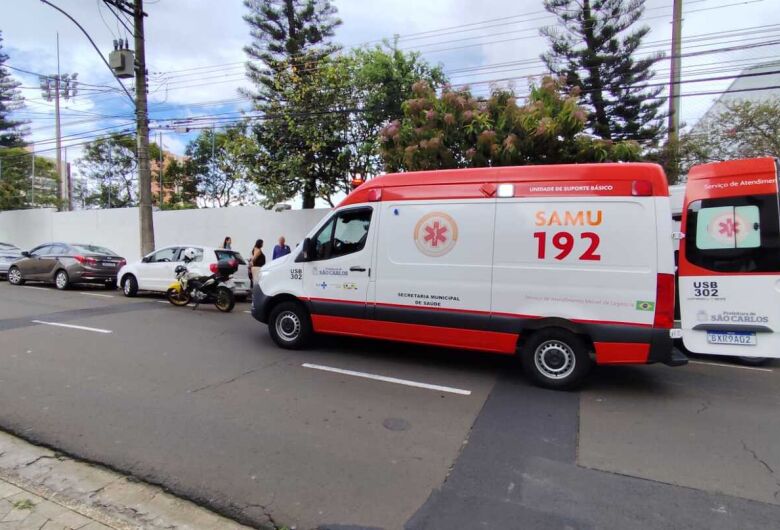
x=126 y=286
x=14 y=276
x=288 y=326
x=61 y=280
x=555 y=359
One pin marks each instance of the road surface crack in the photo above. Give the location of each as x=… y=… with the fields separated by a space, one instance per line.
x=766 y=466
x=232 y=379
x=43 y=457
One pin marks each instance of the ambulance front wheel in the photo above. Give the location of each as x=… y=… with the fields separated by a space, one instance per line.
x=289 y=325
x=555 y=358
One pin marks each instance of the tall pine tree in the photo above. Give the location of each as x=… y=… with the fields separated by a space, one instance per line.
x=291 y=46
x=10 y=100
x=593 y=48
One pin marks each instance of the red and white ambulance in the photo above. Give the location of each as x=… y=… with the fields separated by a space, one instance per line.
x=564 y=265
x=729 y=259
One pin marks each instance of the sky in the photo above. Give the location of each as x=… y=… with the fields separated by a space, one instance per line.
x=195 y=56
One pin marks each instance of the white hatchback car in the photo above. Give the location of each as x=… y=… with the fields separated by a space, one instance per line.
x=155 y=272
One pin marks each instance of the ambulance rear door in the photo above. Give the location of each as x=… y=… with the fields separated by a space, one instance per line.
x=729 y=274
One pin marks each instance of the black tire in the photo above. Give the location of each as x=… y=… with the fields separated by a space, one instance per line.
x=61 y=279
x=110 y=285
x=177 y=297
x=753 y=361
x=556 y=358
x=15 y=276
x=129 y=286
x=226 y=300
x=289 y=325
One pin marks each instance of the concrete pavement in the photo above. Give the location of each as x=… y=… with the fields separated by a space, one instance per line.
x=43 y=490
x=205 y=404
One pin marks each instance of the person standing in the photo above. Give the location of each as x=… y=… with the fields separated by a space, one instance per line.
x=227 y=243
x=256 y=261
x=280 y=249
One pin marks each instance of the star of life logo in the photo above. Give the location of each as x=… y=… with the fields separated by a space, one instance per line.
x=727 y=228
x=435 y=234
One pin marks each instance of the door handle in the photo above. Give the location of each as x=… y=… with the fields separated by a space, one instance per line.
x=357 y=268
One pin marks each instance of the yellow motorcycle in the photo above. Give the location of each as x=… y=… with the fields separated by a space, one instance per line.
x=192 y=287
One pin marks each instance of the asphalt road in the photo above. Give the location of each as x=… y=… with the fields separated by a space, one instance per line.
x=204 y=404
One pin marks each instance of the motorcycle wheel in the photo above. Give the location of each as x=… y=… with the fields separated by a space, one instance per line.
x=226 y=300
x=178 y=298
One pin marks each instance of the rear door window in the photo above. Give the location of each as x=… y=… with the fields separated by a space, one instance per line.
x=229 y=254
x=734 y=234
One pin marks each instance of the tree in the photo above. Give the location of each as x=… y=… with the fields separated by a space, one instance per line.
x=593 y=48
x=742 y=129
x=455 y=130
x=379 y=79
x=177 y=177
x=110 y=166
x=300 y=152
x=10 y=100
x=220 y=163
x=18 y=189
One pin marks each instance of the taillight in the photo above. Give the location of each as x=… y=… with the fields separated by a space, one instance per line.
x=664 y=302
x=122 y=263
x=213 y=268
x=85 y=260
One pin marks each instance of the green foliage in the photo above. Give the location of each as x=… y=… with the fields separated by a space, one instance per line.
x=110 y=166
x=220 y=164
x=455 y=130
x=17 y=189
x=177 y=177
x=593 y=48
x=380 y=80
x=741 y=129
x=301 y=149
x=10 y=100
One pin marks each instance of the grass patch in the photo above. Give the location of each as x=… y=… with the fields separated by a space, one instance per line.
x=24 y=504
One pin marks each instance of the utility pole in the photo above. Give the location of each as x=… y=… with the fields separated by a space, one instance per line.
x=674 y=88
x=161 y=171
x=58 y=132
x=32 y=177
x=142 y=128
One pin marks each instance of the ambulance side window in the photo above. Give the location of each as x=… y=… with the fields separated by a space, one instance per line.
x=734 y=234
x=345 y=233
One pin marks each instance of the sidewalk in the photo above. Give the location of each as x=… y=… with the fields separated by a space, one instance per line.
x=42 y=490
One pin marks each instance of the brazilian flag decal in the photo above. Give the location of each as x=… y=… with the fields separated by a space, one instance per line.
x=643 y=305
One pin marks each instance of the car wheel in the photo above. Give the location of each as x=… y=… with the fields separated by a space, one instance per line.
x=129 y=285
x=289 y=325
x=556 y=358
x=61 y=280
x=15 y=276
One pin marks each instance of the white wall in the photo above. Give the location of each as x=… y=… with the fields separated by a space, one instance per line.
x=117 y=228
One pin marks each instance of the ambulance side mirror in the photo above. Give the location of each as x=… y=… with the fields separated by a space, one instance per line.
x=307 y=251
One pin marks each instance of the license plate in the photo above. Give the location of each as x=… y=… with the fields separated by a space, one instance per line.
x=737 y=338
x=109 y=264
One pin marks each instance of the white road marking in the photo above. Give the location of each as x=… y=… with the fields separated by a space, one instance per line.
x=33 y=287
x=73 y=326
x=389 y=379
x=97 y=294
x=162 y=301
x=756 y=368
x=248 y=312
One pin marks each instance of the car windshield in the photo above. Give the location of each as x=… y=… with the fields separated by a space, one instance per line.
x=93 y=249
x=227 y=254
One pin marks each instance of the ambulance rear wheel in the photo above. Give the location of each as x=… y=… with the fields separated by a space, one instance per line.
x=555 y=358
x=289 y=325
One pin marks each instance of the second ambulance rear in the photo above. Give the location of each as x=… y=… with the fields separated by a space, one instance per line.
x=566 y=266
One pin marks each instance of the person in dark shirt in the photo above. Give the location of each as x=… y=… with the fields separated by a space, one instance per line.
x=256 y=260
x=281 y=249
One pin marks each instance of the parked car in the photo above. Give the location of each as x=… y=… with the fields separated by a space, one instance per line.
x=64 y=264
x=8 y=254
x=156 y=271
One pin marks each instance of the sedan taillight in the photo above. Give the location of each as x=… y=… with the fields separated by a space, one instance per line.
x=85 y=260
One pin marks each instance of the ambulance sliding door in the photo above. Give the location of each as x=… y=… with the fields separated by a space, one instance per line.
x=434 y=262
